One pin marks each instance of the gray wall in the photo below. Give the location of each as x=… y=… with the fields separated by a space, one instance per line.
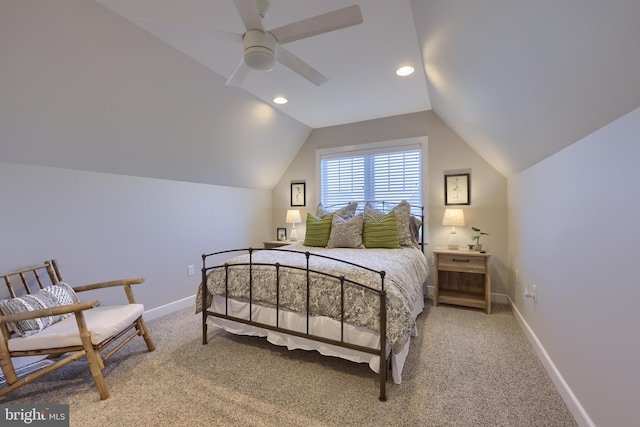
x=572 y=233
x=103 y=226
x=446 y=152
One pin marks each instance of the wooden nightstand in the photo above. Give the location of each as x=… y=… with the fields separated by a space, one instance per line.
x=462 y=278
x=270 y=244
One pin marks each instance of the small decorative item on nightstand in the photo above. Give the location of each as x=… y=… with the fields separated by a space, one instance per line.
x=478 y=246
x=281 y=234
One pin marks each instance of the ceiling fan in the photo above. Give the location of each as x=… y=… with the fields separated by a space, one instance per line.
x=262 y=48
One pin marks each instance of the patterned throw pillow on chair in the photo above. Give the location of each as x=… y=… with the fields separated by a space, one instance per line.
x=48 y=297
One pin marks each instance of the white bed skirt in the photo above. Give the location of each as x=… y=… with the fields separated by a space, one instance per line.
x=320 y=326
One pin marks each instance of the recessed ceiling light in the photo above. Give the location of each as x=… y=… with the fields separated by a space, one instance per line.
x=405 y=71
x=280 y=100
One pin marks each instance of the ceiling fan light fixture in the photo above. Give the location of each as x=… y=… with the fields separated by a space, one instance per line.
x=260 y=50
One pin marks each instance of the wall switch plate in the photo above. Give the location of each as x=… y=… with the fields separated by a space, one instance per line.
x=190 y=270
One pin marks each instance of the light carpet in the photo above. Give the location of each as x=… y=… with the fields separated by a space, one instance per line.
x=465 y=369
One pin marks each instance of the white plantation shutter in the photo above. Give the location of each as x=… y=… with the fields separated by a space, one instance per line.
x=389 y=174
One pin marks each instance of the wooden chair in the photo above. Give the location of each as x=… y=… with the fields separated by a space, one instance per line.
x=82 y=329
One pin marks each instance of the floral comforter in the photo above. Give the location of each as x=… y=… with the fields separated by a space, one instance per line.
x=406 y=271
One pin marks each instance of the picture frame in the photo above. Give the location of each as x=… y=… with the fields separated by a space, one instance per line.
x=457 y=189
x=281 y=234
x=298 y=194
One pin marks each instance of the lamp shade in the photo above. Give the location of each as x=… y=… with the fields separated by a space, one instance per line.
x=293 y=216
x=453 y=217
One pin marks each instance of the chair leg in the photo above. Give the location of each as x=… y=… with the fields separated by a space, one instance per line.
x=93 y=357
x=9 y=373
x=6 y=364
x=142 y=329
x=96 y=372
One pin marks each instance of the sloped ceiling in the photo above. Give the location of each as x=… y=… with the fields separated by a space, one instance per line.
x=360 y=61
x=517 y=80
x=520 y=80
x=84 y=88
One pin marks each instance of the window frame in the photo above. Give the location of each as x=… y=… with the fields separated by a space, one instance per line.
x=382 y=147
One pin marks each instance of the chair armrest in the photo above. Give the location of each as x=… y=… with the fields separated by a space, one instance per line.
x=63 y=309
x=109 y=284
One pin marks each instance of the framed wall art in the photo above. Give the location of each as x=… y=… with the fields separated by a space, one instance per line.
x=457 y=189
x=298 y=194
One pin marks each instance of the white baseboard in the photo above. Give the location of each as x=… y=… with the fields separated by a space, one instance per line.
x=163 y=310
x=578 y=412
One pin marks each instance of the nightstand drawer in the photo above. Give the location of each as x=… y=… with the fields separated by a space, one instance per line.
x=462 y=263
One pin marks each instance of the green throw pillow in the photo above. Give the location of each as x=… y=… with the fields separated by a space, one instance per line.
x=381 y=232
x=318 y=230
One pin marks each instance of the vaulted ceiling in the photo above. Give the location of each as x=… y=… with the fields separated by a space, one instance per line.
x=88 y=85
x=360 y=61
x=518 y=80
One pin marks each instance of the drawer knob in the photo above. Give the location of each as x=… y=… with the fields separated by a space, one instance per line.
x=460 y=260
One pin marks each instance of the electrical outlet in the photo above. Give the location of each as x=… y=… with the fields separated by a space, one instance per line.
x=190 y=270
x=531 y=291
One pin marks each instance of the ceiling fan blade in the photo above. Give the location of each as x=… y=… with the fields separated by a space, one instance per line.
x=297 y=65
x=239 y=74
x=218 y=34
x=249 y=14
x=319 y=24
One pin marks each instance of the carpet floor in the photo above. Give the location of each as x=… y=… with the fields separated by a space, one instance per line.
x=465 y=369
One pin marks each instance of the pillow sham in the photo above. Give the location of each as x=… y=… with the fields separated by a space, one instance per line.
x=346 y=233
x=346 y=212
x=318 y=230
x=414 y=226
x=381 y=232
x=403 y=217
x=48 y=297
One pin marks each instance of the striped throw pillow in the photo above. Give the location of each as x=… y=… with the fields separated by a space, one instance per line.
x=48 y=297
x=381 y=232
x=318 y=230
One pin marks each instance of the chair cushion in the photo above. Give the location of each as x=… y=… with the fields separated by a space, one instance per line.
x=102 y=322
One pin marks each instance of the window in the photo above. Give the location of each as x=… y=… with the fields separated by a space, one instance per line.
x=390 y=172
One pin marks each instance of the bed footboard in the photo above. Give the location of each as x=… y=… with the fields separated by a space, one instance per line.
x=251 y=265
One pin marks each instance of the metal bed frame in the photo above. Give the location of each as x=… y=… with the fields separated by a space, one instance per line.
x=381 y=295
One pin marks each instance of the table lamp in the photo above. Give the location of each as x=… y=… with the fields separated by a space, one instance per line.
x=453 y=217
x=293 y=218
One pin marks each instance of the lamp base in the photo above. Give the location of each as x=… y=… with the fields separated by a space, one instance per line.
x=453 y=240
x=294 y=234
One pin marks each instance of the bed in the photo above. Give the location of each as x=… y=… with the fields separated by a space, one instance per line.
x=320 y=295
